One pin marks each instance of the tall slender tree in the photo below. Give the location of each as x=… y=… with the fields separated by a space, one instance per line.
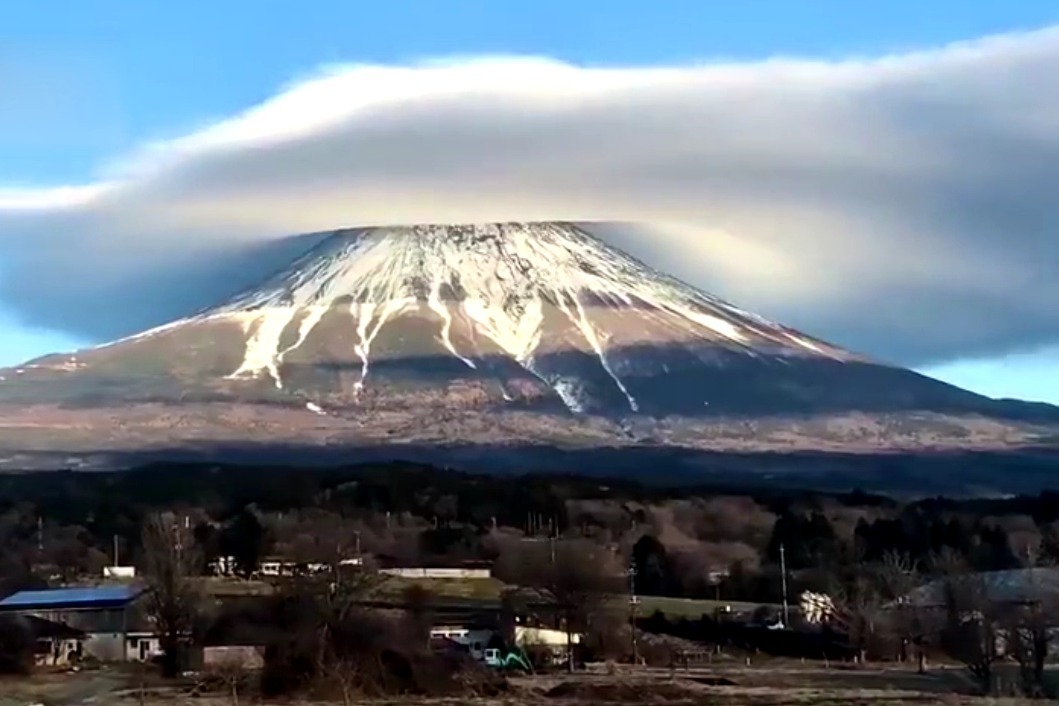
x=173 y=600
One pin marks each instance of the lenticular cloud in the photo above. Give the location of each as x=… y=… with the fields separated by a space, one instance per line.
x=902 y=206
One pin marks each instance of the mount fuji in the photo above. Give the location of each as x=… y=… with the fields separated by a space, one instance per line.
x=489 y=335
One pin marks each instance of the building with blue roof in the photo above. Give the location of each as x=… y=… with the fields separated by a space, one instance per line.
x=81 y=598
x=111 y=617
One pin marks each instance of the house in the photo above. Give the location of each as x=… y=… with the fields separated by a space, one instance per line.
x=554 y=645
x=55 y=644
x=278 y=566
x=474 y=639
x=109 y=621
x=119 y=572
x=534 y=637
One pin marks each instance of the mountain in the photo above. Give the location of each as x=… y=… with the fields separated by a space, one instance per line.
x=492 y=335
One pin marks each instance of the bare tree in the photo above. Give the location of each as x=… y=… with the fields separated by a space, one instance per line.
x=582 y=579
x=577 y=577
x=948 y=563
x=417 y=601
x=68 y=549
x=970 y=632
x=230 y=673
x=860 y=603
x=328 y=636
x=173 y=599
x=898 y=576
x=872 y=606
x=1027 y=630
x=344 y=672
x=1026 y=640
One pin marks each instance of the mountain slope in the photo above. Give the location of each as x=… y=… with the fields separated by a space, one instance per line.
x=535 y=331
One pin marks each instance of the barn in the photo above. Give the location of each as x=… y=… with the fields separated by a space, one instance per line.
x=109 y=620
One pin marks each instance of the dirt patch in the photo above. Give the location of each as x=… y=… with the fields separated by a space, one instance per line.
x=622 y=692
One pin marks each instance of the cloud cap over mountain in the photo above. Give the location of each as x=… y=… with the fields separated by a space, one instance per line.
x=903 y=206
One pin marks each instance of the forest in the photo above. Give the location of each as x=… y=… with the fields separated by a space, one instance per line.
x=708 y=541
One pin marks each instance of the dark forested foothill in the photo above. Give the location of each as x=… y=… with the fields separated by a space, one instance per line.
x=564 y=552
x=690 y=542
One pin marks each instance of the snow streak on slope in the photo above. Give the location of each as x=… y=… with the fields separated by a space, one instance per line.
x=262 y=348
x=439 y=308
x=369 y=323
x=498 y=279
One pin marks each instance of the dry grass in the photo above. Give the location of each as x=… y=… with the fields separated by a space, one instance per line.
x=392 y=587
x=772 y=682
x=764 y=683
x=471 y=589
x=60 y=687
x=27 y=425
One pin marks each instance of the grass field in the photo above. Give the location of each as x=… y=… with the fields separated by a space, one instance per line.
x=491 y=589
x=692 y=608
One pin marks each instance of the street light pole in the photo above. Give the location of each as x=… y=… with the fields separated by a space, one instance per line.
x=633 y=602
x=783 y=572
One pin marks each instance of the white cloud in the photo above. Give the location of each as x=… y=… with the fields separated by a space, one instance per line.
x=902 y=205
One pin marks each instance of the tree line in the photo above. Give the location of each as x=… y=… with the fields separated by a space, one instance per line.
x=686 y=542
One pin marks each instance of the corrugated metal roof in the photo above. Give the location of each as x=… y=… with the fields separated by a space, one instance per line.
x=71 y=597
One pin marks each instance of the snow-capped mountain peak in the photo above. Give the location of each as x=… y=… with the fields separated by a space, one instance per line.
x=500 y=281
x=481 y=339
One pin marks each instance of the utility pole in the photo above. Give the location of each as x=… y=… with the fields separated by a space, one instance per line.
x=336 y=567
x=633 y=604
x=178 y=538
x=116 y=550
x=561 y=603
x=783 y=572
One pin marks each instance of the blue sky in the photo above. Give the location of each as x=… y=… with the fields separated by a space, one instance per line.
x=101 y=77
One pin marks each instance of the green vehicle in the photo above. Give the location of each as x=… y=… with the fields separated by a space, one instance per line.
x=507 y=660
